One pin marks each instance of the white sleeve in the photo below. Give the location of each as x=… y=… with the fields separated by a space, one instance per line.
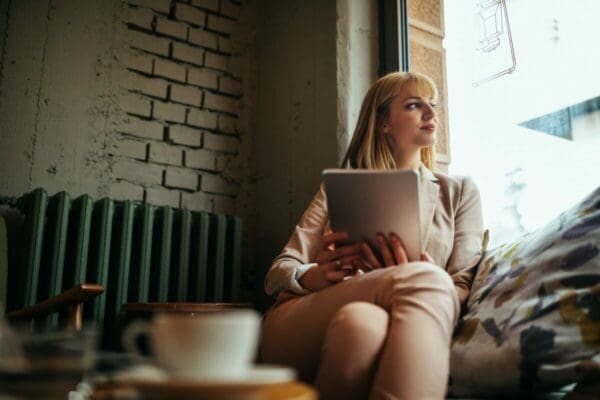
x=299 y=253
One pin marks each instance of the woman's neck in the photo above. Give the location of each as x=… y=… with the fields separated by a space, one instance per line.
x=408 y=160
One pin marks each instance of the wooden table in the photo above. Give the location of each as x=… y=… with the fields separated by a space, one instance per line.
x=187 y=391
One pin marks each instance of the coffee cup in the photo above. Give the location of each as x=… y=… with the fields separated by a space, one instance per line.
x=212 y=345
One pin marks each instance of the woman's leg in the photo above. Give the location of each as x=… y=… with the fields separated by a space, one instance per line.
x=423 y=308
x=351 y=348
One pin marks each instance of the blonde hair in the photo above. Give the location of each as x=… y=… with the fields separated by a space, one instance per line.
x=368 y=148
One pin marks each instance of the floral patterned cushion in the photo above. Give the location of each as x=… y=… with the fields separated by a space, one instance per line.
x=533 y=314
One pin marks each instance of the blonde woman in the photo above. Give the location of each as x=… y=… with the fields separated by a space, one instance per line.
x=362 y=326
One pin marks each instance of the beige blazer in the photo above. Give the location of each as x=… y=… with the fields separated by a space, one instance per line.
x=452 y=235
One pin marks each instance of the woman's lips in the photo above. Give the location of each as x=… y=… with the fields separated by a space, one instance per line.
x=429 y=128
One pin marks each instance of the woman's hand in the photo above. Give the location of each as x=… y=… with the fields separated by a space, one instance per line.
x=391 y=249
x=392 y=253
x=334 y=263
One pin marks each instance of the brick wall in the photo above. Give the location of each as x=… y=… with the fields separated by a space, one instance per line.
x=180 y=104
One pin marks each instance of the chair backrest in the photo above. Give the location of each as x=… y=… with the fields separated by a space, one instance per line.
x=138 y=252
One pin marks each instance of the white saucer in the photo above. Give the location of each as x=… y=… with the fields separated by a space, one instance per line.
x=259 y=374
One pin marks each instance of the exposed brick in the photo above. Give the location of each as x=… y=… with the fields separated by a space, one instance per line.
x=138 y=61
x=142 y=128
x=204 y=38
x=123 y=190
x=201 y=159
x=211 y=5
x=184 y=12
x=163 y=6
x=224 y=45
x=221 y=103
x=149 y=43
x=149 y=86
x=223 y=204
x=202 y=119
x=164 y=153
x=230 y=9
x=169 y=112
x=186 y=94
x=217 y=184
x=230 y=86
x=219 y=24
x=181 y=178
x=169 y=69
x=138 y=172
x=203 y=77
x=162 y=197
x=216 y=61
x=136 y=104
x=171 y=28
x=187 y=53
x=129 y=148
x=184 y=135
x=196 y=201
x=227 y=124
x=226 y=144
x=140 y=17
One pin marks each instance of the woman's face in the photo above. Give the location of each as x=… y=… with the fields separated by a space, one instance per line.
x=411 y=123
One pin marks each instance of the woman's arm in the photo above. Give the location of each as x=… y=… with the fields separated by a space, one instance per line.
x=299 y=252
x=468 y=237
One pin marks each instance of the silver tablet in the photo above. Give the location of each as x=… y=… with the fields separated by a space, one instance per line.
x=364 y=202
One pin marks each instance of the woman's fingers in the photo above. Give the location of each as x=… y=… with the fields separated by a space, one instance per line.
x=342 y=267
x=426 y=257
x=340 y=252
x=386 y=254
x=330 y=239
x=398 y=249
x=371 y=262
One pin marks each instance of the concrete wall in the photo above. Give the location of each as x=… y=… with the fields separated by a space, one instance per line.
x=316 y=59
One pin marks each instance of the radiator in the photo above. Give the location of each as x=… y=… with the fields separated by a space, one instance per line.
x=138 y=252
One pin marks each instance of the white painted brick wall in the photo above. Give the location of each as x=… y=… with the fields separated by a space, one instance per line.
x=164 y=153
x=180 y=101
x=161 y=196
x=220 y=142
x=162 y=6
x=123 y=190
x=137 y=171
x=186 y=94
x=169 y=112
x=169 y=69
x=142 y=128
x=180 y=134
x=186 y=13
x=171 y=28
x=129 y=148
x=178 y=178
x=200 y=159
x=216 y=184
x=203 y=77
x=187 y=53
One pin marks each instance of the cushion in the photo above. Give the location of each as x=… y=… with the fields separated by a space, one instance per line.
x=533 y=314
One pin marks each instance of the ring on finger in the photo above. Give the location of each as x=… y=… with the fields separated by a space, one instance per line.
x=338 y=263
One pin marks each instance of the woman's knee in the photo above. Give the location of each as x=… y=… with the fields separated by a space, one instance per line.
x=419 y=272
x=360 y=319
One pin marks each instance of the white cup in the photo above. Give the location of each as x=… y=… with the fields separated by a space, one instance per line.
x=212 y=345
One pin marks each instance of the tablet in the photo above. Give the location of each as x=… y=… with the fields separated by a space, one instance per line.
x=364 y=202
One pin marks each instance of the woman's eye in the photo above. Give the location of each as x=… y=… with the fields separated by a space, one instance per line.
x=412 y=106
x=433 y=105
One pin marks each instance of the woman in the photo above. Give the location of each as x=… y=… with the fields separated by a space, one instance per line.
x=361 y=326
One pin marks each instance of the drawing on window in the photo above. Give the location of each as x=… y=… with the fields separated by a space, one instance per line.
x=494 y=51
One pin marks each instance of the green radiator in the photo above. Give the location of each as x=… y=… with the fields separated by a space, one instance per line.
x=138 y=252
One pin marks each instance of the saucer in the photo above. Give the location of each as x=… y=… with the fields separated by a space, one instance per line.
x=259 y=374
